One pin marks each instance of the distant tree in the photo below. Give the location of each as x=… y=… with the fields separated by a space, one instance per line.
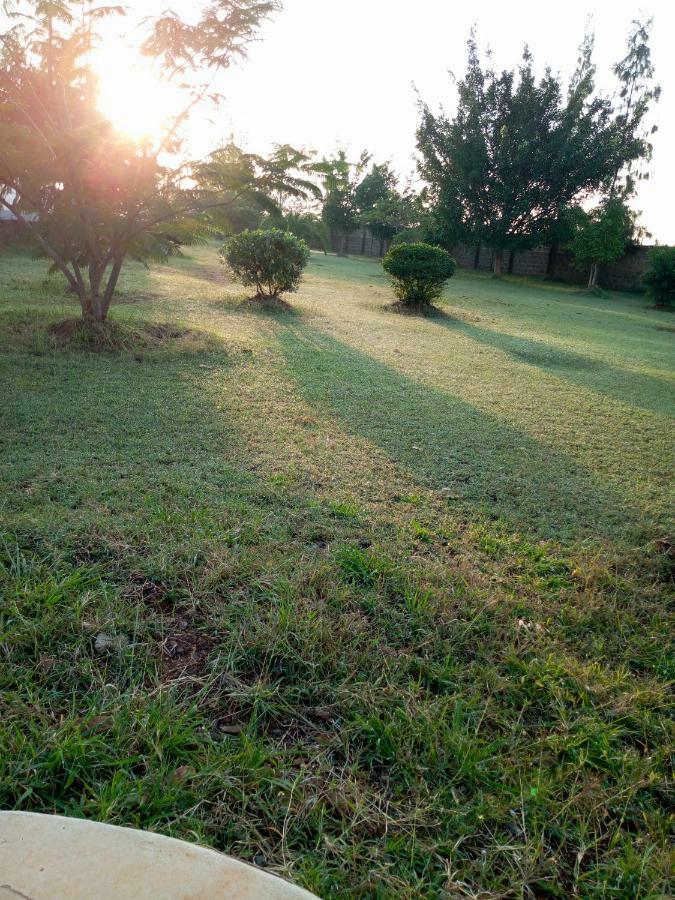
x=637 y=93
x=600 y=237
x=89 y=198
x=306 y=225
x=340 y=178
x=233 y=186
x=558 y=233
x=270 y=259
x=382 y=208
x=515 y=154
x=659 y=279
x=374 y=186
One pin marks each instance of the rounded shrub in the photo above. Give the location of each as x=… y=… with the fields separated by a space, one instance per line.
x=271 y=260
x=418 y=271
x=659 y=278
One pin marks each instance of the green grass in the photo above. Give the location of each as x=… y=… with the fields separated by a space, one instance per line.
x=378 y=601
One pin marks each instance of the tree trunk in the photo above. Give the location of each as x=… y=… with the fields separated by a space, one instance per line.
x=110 y=287
x=497 y=263
x=94 y=292
x=85 y=304
x=381 y=247
x=476 y=256
x=363 y=242
x=345 y=244
x=552 y=260
x=593 y=276
x=512 y=258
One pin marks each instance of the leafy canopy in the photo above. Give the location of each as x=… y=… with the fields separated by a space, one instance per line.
x=516 y=152
x=340 y=178
x=90 y=198
x=601 y=235
x=305 y=225
x=637 y=93
x=382 y=208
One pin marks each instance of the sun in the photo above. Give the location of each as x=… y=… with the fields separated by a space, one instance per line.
x=137 y=102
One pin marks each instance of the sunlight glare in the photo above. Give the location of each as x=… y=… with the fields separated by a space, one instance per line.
x=137 y=102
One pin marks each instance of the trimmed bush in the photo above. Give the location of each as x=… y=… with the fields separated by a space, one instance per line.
x=418 y=272
x=659 y=279
x=271 y=260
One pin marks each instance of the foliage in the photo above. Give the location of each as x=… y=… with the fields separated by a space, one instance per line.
x=390 y=215
x=235 y=189
x=660 y=276
x=374 y=186
x=89 y=197
x=414 y=235
x=382 y=208
x=270 y=259
x=426 y=223
x=516 y=152
x=637 y=92
x=340 y=178
x=418 y=271
x=601 y=235
x=307 y=226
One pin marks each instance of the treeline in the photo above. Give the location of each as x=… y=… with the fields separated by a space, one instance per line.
x=524 y=161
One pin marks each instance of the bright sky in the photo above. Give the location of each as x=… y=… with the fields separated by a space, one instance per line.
x=343 y=72
x=329 y=73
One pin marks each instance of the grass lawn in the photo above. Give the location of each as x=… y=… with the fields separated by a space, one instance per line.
x=377 y=601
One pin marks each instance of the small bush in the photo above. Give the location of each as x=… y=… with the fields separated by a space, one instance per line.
x=272 y=260
x=418 y=271
x=659 y=278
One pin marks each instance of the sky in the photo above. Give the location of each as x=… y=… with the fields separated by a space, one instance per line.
x=325 y=74
x=347 y=72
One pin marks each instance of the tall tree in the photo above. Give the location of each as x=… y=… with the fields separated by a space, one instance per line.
x=600 y=236
x=515 y=153
x=637 y=92
x=89 y=197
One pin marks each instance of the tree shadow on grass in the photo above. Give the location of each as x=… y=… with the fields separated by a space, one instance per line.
x=491 y=468
x=640 y=390
x=110 y=442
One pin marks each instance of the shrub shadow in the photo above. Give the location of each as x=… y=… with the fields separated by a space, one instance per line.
x=424 y=311
x=491 y=468
x=149 y=432
x=640 y=390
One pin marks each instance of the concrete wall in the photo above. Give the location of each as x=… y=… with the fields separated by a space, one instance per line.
x=624 y=275
x=359 y=243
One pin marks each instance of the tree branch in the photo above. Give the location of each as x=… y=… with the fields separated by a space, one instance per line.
x=56 y=258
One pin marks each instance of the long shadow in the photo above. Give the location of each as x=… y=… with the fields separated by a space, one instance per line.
x=108 y=441
x=643 y=391
x=490 y=468
x=263 y=309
